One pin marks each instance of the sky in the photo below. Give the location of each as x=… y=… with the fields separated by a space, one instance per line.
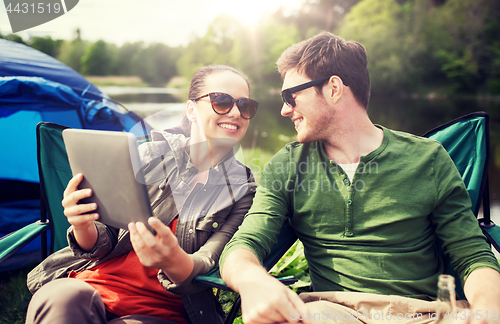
x=173 y=22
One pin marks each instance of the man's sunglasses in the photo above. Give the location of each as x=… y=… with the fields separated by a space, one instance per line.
x=222 y=103
x=286 y=94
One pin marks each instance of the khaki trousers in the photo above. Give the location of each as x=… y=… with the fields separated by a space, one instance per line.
x=69 y=300
x=366 y=308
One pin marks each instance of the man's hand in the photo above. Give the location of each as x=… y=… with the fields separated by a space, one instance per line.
x=160 y=251
x=269 y=301
x=264 y=299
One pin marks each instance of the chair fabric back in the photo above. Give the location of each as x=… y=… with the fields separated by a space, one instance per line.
x=55 y=173
x=466 y=140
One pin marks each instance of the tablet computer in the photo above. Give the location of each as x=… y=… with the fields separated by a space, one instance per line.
x=107 y=160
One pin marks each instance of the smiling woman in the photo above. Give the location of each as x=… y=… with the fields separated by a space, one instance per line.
x=199 y=194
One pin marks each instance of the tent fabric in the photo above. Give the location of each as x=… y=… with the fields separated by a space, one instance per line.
x=39 y=94
x=25 y=101
x=20 y=60
x=36 y=87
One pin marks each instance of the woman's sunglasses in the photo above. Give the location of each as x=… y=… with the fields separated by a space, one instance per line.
x=222 y=103
x=286 y=94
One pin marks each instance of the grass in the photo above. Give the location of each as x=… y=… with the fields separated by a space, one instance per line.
x=14 y=296
x=116 y=80
x=255 y=159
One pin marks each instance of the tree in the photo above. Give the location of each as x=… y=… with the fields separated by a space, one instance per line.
x=376 y=24
x=489 y=62
x=97 y=59
x=274 y=39
x=46 y=45
x=214 y=48
x=316 y=15
x=125 y=58
x=71 y=52
x=15 y=38
x=156 y=64
x=252 y=51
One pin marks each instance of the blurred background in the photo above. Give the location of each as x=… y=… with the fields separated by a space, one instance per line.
x=430 y=61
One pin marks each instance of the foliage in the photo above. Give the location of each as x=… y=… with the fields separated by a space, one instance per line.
x=255 y=158
x=227 y=299
x=274 y=39
x=458 y=52
x=155 y=64
x=413 y=46
x=293 y=263
x=214 y=48
x=317 y=15
x=15 y=296
x=125 y=58
x=14 y=38
x=426 y=43
x=97 y=59
x=46 y=45
x=252 y=51
x=72 y=52
x=374 y=23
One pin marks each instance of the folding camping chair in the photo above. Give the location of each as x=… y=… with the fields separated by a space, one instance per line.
x=466 y=140
x=54 y=172
x=472 y=162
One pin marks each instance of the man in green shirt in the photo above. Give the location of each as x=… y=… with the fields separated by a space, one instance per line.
x=368 y=203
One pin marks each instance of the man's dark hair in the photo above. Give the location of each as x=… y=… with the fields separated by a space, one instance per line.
x=325 y=55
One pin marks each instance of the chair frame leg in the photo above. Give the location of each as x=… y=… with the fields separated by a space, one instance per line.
x=234 y=311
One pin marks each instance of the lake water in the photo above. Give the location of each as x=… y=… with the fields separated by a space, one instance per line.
x=269 y=131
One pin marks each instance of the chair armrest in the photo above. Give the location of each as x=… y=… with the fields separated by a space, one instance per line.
x=492 y=233
x=13 y=242
x=213 y=279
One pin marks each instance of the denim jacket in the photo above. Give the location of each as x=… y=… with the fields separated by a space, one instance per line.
x=208 y=215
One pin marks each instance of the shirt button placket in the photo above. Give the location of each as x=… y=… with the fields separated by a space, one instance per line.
x=348 y=225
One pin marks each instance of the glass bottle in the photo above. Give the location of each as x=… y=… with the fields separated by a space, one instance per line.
x=446 y=294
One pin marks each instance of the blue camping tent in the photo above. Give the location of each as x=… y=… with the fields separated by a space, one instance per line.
x=36 y=87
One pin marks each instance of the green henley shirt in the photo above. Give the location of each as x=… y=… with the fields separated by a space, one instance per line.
x=376 y=233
